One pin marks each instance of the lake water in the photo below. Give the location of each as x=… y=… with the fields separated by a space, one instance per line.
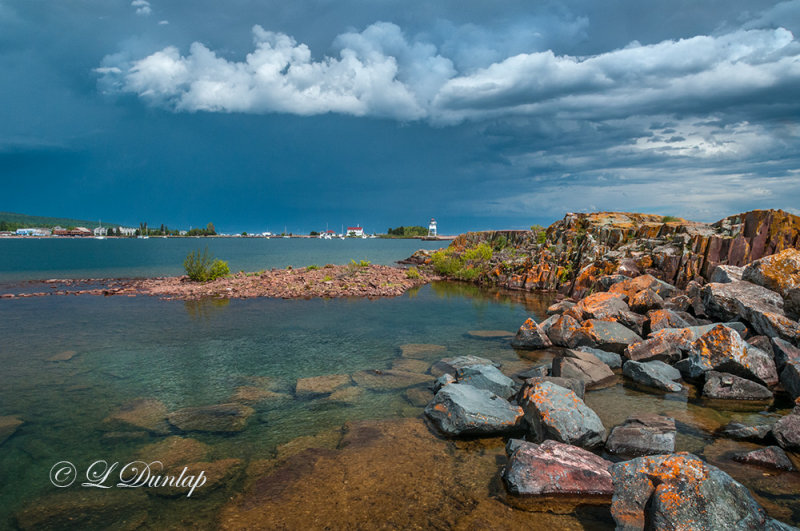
x=203 y=353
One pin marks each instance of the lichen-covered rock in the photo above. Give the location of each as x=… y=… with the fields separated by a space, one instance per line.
x=724 y=386
x=530 y=336
x=486 y=377
x=643 y=435
x=757 y=305
x=221 y=418
x=573 y=384
x=770 y=457
x=783 y=351
x=778 y=272
x=443 y=380
x=655 y=374
x=655 y=348
x=790 y=378
x=606 y=335
x=553 y=412
x=538 y=475
x=661 y=319
x=722 y=349
x=680 y=491
x=559 y=307
x=633 y=286
x=563 y=331
x=723 y=274
x=787 y=431
x=736 y=430
x=460 y=409
x=611 y=359
x=585 y=367
x=645 y=301
x=603 y=305
x=451 y=365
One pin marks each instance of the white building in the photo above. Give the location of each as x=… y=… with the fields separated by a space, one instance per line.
x=33 y=232
x=355 y=231
x=126 y=231
x=432 y=228
x=100 y=231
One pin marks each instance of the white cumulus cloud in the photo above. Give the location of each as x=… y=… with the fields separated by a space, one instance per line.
x=142 y=7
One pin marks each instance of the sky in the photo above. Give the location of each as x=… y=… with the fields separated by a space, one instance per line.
x=485 y=115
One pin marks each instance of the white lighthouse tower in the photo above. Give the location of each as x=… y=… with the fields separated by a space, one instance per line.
x=432 y=228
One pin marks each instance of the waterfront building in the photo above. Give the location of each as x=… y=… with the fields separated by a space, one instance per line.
x=432 y=228
x=355 y=231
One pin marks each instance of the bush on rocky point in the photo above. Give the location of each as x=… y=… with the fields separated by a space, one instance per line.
x=202 y=267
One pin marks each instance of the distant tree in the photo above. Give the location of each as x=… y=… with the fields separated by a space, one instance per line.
x=109 y=232
x=244 y=233
x=210 y=229
x=313 y=233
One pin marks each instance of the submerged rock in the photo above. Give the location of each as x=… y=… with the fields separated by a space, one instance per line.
x=217 y=418
x=173 y=451
x=63 y=356
x=217 y=474
x=460 y=409
x=656 y=374
x=321 y=385
x=643 y=435
x=530 y=336
x=553 y=476
x=585 y=367
x=420 y=350
x=79 y=508
x=411 y=365
x=681 y=491
x=486 y=377
x=490 y=334
x=8 y=425
x=757 y=433
x=553 y=412
x=379 y=380
x=250 y=394
x=724 y=386
x=451 y=365
x=142 y=413
x=770 y=457
x=345 y=395
x=417 y=396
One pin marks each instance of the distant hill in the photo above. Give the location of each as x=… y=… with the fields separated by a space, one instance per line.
x=23 y=220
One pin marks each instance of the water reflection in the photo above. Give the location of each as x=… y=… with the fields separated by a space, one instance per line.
x=535 y=303
x=203 y=309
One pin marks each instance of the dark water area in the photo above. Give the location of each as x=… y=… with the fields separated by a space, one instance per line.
x=45 y=258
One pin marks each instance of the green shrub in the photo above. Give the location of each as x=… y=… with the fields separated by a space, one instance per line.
x=500 y=243
x=468 y=273
x=446 y=265
x=312 y=267
x=667 y=219
x=327 y=278
x=202 y=267
x=360 y=263
x=482 y=252
x=413 y=273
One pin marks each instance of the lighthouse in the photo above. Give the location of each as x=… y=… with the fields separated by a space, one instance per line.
x=432 y=228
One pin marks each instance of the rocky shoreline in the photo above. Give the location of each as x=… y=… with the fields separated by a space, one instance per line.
x=330 y=281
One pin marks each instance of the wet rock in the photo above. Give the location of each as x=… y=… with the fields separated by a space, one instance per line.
x=655 y=374
x=142 y=413
x=220 y=418
x=531 y=336
x=8 y=426
x=249 y=394
x=573 y=384
x=645 y=301
x=783 y=351
x=490 y=334
x=724 y=386
x=669 y=491
x=778 y=272
x=378 y=380
x=722 y=349
x=63 y=356
x=643 y=435
x=603 y=305
x=770 y=457
x=760 y=307
x=538 y=475
x=515 y=444
x=563 y=331
x=420 y=350
x=787 y=431
x=736 y=430
x=80 y=508
x=611 y=359
x=631 y=287
x=655 y=348
x=173 y=451
x=790 y=378
x=559 y=307
x=661 y=319
x=553 y=412
x=606 y=335
x=410 y=365
x=321 y=385
x=417 y=396
x=724 y=274
x=443 y=380
x=451 y=365
x=459 y=409
x=586 y=367
x=346 y=395
x=486 y=377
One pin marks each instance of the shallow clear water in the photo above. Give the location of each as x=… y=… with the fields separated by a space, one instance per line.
x=42 y=258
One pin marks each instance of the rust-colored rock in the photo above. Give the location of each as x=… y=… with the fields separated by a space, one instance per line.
x=778 y=272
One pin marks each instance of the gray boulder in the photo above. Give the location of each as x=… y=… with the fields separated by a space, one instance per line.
x=791 y=304
x=563 y=331
x=724 y=274
x=654 y=348
x=611 y=359
x=770 y=457
x=530 y=336
x=486 y=377
x=451 y=365
x=573 y=384
x=790 y=378
x=553 y=412
x=787 y=431
x=736 y=430
x=783 y=351
x=655 y=374
x=643 y=435
x=459 y=409
x=606 y=335
x=724 y=386
x=559 y=307
x=443 y=380
x=585 y=367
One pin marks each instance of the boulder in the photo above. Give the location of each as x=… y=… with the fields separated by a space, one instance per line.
x=760 y=307
x=451 y=365
x=141 y=413
x=791 y=304
x=411 y=365
x=222 y=418
x=173 y=451
x=724 y=274
x=611 y=359
x=420 y=350
x=761 y=342
x=645 y=301
x=542 y=368
x=680 y=491
x=655 y=374
x=416 y=396
x=385 y=380
x=724 y=386
x=722 y=349
x=350 y=396
x=530 y=336
x=655 y=348
x=632 y=321
x=559 y=307
x=770 y=457
x=790 y=378
x=563 y=331
x=490 y=334
x=606 y=281
x=85 y=508
x=553 y=412
x=486 y=377
x=679 y=303
x=8 y=426
x=661 y=319
x=787 y=431
x=585 y=367
x=684 y=337
x=632 y=286
x=459 y=409
x=321 y=385
x=552 y=472
x=736 y=430
x=778 y=272
x=443 y=380
x=783 y=351
x=515 y=444
x=645 y=434
x=606 y=335
x=602 y=305
x=573 y=384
